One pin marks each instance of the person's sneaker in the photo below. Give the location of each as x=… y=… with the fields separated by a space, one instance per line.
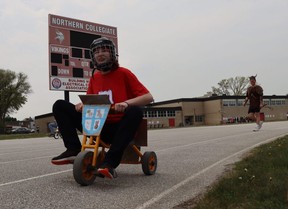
x=257 y=128
x=66 y=157
x=260 y=124
x=107 y=172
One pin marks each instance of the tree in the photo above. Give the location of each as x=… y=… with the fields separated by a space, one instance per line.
x=14 y=89
x=9 y=119
x=232 y=86
x=223 y=88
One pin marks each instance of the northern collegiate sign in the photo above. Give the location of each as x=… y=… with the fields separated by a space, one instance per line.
x=73 y=24
x=70 y=65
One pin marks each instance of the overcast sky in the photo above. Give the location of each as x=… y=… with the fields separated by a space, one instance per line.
x=178 y=49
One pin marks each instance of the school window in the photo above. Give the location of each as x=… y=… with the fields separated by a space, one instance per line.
x=152 y=114
x=199 y=118
x=229 y=102
x=278 y=102
x=240 y=102
x=171 y=113
x=162 y=113
x=266 y=101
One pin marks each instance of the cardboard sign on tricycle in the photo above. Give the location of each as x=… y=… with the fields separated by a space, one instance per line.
x=94 y=113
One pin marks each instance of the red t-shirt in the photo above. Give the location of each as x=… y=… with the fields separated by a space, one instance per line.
x=120 y=85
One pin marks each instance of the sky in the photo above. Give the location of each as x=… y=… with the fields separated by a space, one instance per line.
x=177 y=49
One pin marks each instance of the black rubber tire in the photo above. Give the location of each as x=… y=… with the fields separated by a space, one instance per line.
x=82 y=168
x=149 y=163
x=56 y=135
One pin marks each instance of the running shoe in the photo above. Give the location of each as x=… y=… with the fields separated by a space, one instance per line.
x=108 y=172
x=66 y=157
x=257 y=128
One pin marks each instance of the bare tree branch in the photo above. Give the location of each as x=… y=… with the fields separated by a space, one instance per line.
x=232 y=86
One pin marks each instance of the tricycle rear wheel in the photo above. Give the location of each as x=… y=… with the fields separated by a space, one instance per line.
x=149 y=163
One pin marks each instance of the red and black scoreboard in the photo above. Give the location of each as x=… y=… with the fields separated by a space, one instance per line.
x=70 y=65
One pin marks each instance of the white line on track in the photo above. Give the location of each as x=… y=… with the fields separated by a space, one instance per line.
x=185 y=181
x=200 y=142
x=30 y=151
x=35 y=177
x=28 y=159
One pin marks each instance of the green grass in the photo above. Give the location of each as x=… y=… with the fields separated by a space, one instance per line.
x=259 y=181
x=21 y=136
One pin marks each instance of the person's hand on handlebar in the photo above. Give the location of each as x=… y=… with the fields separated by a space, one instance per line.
x=121 y=107
x=79 y=107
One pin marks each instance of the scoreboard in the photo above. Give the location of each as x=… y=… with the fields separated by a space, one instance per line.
x=70 y=66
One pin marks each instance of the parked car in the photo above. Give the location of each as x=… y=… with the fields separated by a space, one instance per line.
x=22 y=130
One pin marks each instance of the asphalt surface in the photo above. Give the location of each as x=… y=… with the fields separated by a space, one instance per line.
x=189 y=160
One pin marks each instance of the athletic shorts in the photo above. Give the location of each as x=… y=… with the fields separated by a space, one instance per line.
x=253 y=109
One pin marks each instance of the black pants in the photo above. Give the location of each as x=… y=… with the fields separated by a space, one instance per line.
x=119 y=135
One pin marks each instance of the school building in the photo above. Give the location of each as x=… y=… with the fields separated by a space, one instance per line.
x=214 y=110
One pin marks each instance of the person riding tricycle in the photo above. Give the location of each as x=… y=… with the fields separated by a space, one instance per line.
x=126 y=94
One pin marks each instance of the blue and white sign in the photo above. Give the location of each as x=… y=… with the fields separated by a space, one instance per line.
x=93 y=118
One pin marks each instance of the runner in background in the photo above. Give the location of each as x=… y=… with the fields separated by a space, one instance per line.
x=255 y=96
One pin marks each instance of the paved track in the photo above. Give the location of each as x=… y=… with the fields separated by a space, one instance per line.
x=189 y=159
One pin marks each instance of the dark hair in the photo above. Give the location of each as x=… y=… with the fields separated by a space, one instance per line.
x=253 y=77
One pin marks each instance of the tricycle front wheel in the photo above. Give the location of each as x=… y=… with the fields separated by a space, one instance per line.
x=83 y=171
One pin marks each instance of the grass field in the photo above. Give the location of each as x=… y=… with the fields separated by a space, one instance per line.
x=21 y=136
x=259 y=181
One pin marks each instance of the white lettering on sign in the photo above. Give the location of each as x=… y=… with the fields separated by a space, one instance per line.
x=75 y=84
x=87 y=74
x=100 y=29
x=85 y=64
x=62 y=50
x=67 y=23
x=76 y=80
x=63 y=72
